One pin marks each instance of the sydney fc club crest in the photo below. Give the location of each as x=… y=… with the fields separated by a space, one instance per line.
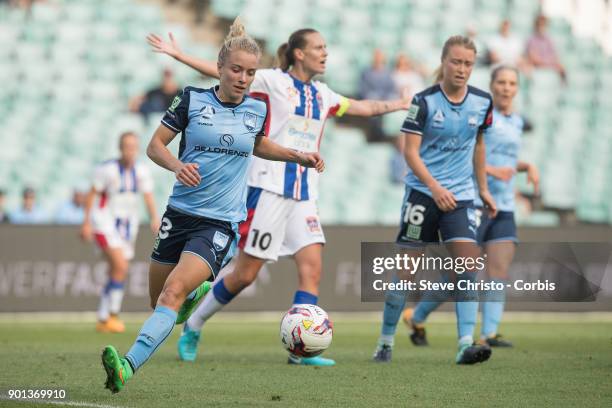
x=250 y=121
x=220 y=240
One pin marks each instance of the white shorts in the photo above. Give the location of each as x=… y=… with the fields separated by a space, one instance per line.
x=109 y=234
x=278 y=226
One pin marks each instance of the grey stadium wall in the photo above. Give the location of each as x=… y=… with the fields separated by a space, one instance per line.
x=47 y=268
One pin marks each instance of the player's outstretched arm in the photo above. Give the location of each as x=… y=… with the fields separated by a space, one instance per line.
x=86 y=230
x=368 y=107
x=444 y=199
x=157 y=150
x=533 y=175
x=172 y=49
x=267 y=149
x=481 y=175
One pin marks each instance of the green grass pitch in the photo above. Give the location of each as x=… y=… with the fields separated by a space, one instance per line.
x=555 y=363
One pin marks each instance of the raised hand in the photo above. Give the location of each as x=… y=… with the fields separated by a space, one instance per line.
x=159 y=45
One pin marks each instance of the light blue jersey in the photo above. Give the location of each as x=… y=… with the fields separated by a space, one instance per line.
x=503 y=143
x=219 y=137
x=449 y=133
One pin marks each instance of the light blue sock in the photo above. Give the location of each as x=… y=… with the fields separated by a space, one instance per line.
x=153 y=333
x=395 y=300
x=492 y=310
x=430 y=301
x=423 y=309
x=466 y=309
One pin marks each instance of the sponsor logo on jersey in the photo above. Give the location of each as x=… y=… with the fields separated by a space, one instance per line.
x=226 y=140
x=438 y=119
x=220 y=150
x=293 y=95
x=250 y=121
x=206 y=114
x=413 y=111
x=220 y=240
x=313 y=224
x=473 y=121
x=174 y=104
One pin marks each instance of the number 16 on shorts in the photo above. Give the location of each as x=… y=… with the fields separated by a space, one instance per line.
x=412 y=221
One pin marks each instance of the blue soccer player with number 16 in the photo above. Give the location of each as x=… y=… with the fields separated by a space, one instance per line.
x=444 y=149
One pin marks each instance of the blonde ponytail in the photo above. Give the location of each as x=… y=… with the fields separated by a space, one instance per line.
x=238 y=39
x=438 y=76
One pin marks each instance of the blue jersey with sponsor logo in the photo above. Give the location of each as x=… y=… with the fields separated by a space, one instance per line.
x=219 y=137
x=449 y=133
x=503 y=142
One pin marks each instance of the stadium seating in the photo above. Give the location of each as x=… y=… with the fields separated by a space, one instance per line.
x=69 y=68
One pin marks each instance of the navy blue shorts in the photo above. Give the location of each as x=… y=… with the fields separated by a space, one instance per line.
x=212 y=240
x=423 y=221
x=500 y=228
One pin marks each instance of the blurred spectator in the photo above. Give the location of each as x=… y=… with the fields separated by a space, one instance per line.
x=157 y=99
x=376 y=83
x=472 y=34
x=408 y=76
x=3 y=215
x=72 y=212
x=29 y=213
x=505 y=47
x=541 y=52
x=398 y=164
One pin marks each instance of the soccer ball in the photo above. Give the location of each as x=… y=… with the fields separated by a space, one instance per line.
x=306 y=330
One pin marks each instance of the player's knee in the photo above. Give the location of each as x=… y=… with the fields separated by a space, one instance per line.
x=119 y=269
x=173 y=295
x=310 y=272
x=246 y=277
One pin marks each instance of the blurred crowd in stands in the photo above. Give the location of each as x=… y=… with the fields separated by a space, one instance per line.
x=381 y=80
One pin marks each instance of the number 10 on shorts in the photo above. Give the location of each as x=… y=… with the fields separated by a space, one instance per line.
x=413 y=218
x=262 y=241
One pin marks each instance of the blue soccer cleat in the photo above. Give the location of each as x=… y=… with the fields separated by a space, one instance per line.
x=383 y=353
x=311 y=361
x=188 y=344
x=472 y=354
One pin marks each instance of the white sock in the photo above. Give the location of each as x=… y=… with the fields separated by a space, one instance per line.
x=115 y=296
x=386 y=339
x=469 y=340
x=103 y=307
x=209 y=306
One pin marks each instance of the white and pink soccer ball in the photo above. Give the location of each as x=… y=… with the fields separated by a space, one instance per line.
x=306 y=330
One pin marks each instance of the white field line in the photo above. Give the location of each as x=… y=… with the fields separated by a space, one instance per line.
x=59 y=403
x=232 y=317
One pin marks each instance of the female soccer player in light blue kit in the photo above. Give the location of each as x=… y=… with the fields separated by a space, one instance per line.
x=497 y=235
x=282 y=217
x=444 y=149
x=221 y=127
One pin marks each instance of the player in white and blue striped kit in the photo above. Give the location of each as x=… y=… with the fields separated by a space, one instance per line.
x=221 y=128
x=496 y=235
x=444 y=148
